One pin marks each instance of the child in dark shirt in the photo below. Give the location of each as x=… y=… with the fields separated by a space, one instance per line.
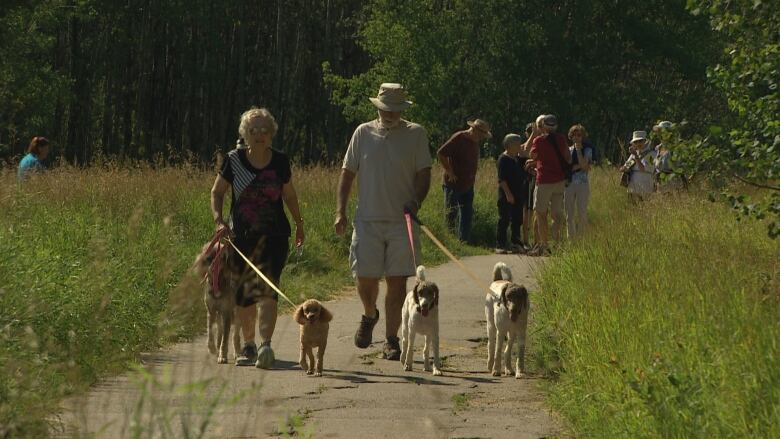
x=512 y=193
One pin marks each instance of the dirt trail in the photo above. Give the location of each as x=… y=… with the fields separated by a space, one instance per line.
x=360 y=394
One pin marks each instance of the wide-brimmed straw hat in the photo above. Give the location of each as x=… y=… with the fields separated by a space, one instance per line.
x=638 y=135
x=391 y=97
x=480 y=125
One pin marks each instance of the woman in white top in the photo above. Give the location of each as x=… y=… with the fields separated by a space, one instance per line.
x=640 y=164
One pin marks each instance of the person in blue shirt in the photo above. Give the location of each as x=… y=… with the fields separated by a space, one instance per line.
x=33 y=161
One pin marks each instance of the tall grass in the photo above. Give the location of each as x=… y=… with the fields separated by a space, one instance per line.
x=93 y=264
x=663 y=321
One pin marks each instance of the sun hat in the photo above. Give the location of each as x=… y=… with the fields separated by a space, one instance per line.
x=391 y=97
x=638 y=135
x=665 y=125
x=480 y=125
x=550 y=120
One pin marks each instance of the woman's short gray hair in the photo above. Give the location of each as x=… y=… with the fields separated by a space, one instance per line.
x=253 y=113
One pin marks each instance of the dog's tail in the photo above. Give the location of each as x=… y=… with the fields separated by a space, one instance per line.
x=502 y=272
x=420 y=273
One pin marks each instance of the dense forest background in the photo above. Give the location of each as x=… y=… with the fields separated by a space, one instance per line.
x=143 y=78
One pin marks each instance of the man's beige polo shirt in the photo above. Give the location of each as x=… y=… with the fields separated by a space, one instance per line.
x=386 y=161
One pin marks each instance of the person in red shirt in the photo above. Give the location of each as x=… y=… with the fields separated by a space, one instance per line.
x=459 y=156
x=550 y=178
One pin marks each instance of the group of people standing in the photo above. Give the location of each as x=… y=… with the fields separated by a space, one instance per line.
x=542 y=172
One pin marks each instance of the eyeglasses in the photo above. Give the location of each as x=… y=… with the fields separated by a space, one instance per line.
x=261 y=130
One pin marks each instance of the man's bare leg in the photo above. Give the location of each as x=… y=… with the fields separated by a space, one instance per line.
x=368 y=290
x=394 y=301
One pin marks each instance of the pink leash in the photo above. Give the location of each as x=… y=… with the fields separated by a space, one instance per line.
x=408 y=216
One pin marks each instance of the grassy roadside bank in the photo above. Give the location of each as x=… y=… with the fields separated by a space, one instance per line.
x=663 y=321
x=93 y=262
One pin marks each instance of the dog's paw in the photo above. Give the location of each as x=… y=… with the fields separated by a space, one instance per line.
x=496 y=373
x=222 y=360
x=519 y=375
x=509 y=372
x=436 y=372
x=318 y=374
x=310 y=372
x=408 y=367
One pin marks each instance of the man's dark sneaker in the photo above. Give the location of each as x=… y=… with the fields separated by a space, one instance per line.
x=392 y=350
x=518 y=249
x=365 y=330
x=248 y=355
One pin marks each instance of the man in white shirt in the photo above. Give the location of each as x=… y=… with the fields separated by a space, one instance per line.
x=392 y=162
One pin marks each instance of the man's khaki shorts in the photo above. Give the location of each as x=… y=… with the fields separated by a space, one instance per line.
x=547 y=195
x=381 y=248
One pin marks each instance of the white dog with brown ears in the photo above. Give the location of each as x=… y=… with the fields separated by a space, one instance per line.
x=506 y=312
x=420 y=315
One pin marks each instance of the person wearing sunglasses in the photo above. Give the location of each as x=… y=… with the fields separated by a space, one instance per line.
x=261 y=181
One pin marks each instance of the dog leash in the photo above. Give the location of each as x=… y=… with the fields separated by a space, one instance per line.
x=410 y=216
x=262 y=276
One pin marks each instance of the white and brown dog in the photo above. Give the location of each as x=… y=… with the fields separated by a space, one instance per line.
x=314 y=320
x=220 y=302
x=420 y=315
x=506 y=312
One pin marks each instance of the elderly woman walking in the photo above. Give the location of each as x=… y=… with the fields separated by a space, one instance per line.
x=261 y=182
x=640 y=166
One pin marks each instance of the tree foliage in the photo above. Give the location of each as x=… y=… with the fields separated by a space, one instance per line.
x=139 y=78
x=613 y=66
x=744 y=145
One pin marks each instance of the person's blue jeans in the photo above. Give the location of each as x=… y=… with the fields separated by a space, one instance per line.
x=459 y=204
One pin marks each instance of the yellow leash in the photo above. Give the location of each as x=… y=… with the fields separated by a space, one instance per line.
x=451 y=256
x=262 y=276
x=409 y=215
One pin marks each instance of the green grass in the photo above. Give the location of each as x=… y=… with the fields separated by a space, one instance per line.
x=663 y=321
x=460 y=401
x=93 y=267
